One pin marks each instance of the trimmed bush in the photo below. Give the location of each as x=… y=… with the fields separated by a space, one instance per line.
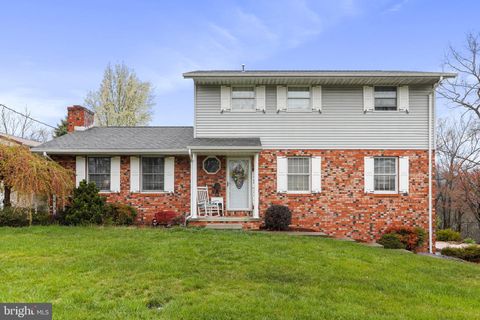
x=14 y=217
x=42 y=218
x=412 y=238
x=391 y=241
x=448 y=235
x=120 y=214
x=19 y=217
x=470 y=253
x=86 y=207
x=278 y=218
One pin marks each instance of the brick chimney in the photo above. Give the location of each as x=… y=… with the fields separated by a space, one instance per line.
x=79 y=118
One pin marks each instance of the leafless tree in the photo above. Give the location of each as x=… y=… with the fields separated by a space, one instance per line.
x=458 y=153
x=22 y=126
x=464 y=91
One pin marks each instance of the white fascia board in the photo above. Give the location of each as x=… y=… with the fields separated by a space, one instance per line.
x=111 y=151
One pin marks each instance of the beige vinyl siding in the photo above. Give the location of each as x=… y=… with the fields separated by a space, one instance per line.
x=342 y=123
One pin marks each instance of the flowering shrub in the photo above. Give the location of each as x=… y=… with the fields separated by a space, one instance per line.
x=411 y=237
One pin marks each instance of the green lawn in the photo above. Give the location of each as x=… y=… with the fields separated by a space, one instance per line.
x=117 y=273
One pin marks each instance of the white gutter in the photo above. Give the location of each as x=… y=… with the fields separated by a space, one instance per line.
x=431 y=106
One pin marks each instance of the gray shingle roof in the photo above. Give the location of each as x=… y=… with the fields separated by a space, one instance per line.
x=121 y=139
x=138 y=139
x=226 y=142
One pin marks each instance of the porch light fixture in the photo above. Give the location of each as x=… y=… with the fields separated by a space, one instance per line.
x=211 y=165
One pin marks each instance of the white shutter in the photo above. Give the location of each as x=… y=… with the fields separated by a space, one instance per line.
x=115 y=174
x=281 y=98
x=134 y=174
x=403 y=168
x=317 y=98
x=260 y=98
x=225 y=98
x=403 y=99
x=170 y=174
x=368 y=99
x=80 y=170
x=282 y=168
x=369 y=174
x=316 y=174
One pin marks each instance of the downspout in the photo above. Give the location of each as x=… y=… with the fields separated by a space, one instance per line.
x=190 y=215
x=431 y=106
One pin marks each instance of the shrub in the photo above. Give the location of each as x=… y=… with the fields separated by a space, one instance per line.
x=120 y=214
x=448 y=235
x=469 y=240
x=278 y=218
x=168 y=219
x=86 y=207
x=14 y=217
x=42 y=218
x=470 y=253
x=411 y=237
x=391 y=241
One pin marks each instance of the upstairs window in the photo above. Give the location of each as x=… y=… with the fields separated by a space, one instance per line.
x=385 y=98
x=99 y=172
x=385 y=174
x=298 y=176
x=153 y=174
x=298 y=99
x=243 y=99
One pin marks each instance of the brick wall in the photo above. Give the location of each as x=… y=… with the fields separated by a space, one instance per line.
x=147 y=203
x=342 y=209
x=206 y=179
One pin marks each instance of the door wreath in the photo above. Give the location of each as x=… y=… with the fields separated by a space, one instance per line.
x=238 y=175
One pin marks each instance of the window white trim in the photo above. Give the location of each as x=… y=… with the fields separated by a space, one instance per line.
x=397 y=99
x=142 y=190
x=87 y=177
x=254 y=99
x=308 y=109
x=309 y=175
x=396 y=177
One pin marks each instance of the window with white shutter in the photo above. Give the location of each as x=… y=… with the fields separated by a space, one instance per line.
x=299 y=175
x=368 y=99
x=170 y=174
x=225 y=98
x=281 y=98
x=404 y=176
x=80 y=170
x=134 y=174
x=153 y=174
x=282 y=174
x=385 y=175
x=260 y=98
x=99 y=172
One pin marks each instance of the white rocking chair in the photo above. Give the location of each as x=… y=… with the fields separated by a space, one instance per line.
x=204 y=205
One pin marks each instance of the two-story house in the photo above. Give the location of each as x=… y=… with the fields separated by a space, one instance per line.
x=349 y=152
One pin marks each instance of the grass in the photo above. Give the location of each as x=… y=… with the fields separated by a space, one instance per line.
x=128 y=273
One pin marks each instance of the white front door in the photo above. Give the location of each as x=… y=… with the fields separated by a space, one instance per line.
x=239 y=176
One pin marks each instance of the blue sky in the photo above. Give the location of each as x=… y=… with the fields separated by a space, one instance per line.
x=53 y=52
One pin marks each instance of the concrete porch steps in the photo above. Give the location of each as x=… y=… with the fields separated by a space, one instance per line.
x=224 y=226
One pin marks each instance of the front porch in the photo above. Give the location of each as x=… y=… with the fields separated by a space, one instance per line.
x=224 y=183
